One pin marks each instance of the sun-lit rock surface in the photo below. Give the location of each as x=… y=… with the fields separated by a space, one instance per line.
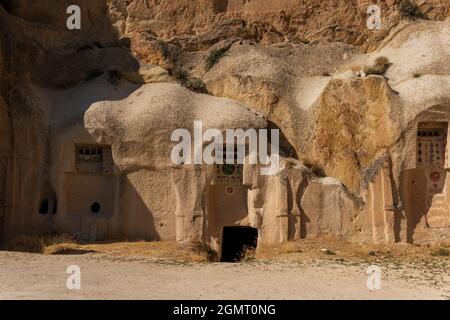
x=86 y=119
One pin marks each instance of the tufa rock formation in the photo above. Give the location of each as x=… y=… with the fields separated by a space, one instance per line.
x=86 y=118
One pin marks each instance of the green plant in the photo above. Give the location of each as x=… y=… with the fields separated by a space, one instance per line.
x=164 y=50
x=328 y=252
x=180 y=74
x=202 y=248
x=192 y=83
x=196 y=85
x=373 y=71
x=214 y=56
x=315 y=168
x=247 y=254
x=441 y=252
x=410 y=9
x=379 y=67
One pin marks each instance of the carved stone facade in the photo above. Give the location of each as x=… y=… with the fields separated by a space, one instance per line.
x=86 y=120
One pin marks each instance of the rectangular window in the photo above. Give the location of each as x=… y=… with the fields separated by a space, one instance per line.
x=94 y=159
x=431 y=144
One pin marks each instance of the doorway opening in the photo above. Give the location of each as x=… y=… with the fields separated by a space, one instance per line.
x=236 y=241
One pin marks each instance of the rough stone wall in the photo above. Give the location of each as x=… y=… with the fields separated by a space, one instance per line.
x=283 y=65
x=23 y=158
x=355 y=125
x=343 y=21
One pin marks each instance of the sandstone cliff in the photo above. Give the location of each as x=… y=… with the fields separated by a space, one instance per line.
x=139 y=69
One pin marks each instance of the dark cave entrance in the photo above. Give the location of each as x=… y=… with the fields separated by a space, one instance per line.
x=236 y=240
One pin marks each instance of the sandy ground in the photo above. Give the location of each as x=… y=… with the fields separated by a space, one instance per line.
x=107 y=276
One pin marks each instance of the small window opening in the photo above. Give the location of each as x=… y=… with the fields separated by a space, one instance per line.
x=431 y=144
x=95 y=207
x=94 y=159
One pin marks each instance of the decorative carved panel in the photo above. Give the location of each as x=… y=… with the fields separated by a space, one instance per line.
x=94 y=159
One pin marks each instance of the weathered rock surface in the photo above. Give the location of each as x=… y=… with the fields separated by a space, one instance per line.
x=139 y=128
x=326 y=195
x=301 y=66
x=265 y=20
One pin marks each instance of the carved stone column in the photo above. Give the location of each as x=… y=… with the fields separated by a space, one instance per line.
x=189 y=184
x=283 y=206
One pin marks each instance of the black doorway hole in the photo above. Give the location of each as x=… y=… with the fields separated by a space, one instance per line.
x=43 y=208
x=95 y=207
x=235 y=240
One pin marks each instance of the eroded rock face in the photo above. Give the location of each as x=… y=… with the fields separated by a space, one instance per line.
x=265 y=19
x=108 y=93
x=357 y=119
x=140 y=127
x=139 y=130
x=44 y=51
x=355 y=124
